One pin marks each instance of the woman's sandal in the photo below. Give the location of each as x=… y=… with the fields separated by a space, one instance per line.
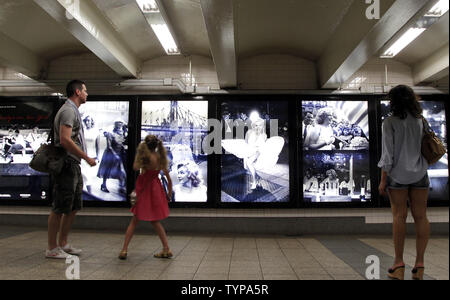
x=417 y=273
x=123 y=255
x=397 y=273
x=164 y=254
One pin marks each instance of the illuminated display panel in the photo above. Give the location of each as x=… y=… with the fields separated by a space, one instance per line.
x=335 y=141
x=255 y=159
x=182 y=126
x=24 y=127
x=105 y=126
x=434 y=113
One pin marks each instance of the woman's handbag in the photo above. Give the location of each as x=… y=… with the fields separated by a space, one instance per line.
x=432 y=147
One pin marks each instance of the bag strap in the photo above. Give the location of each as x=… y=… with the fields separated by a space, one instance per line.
x=428 y=129
x=51 y=136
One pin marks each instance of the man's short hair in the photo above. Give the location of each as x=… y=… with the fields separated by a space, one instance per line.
x=73 y=86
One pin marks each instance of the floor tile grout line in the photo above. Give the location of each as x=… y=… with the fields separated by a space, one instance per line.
x=203 y=258
x=323 y=267
x=284 y=254
x=163 y=270
x=259 y=259
x=231 y=258
x=409 y=265
x=317 y=261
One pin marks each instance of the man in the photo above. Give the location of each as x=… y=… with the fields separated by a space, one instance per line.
x=307 y=127
x=68 y=185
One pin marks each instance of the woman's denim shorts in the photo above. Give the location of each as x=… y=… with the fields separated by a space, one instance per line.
x=423 y=183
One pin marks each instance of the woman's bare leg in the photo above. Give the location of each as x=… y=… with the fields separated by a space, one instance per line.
x=419 y=199
x=399 y=200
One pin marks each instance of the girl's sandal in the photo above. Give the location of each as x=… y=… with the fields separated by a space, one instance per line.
x=123 y=255
x=164 y=254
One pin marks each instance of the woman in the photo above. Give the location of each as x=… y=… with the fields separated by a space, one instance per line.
x=256 y=138
x=404 y=175
x=190 y=187
x=152 y=204
x=113 y=159
x=322 y=137
x=91 y=137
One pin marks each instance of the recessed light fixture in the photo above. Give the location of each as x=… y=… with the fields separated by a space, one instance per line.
x=159 y=26
x=165 y=38
x=148 y=6
x=402 y=42
x=438 y=10
x=422 y=24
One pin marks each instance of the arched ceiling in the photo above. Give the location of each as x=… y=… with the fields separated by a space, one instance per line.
x=29 y=25
x=334 y=34
x=265 y=27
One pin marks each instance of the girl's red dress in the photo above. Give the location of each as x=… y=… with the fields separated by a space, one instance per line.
x=152 y=204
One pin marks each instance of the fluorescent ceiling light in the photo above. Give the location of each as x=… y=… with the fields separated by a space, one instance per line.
x=402 y=42
x=422 y=24
x=148 y=6
x=438 y=10
x=165 y=38
x=156 y=20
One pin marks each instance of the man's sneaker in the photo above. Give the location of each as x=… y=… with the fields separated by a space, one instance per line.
x=57 y=253
x=71 y=250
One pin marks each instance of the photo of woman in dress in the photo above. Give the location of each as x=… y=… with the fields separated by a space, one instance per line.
x=92 y=139
x=255 y=166
x=106 y=137
x=112 y=163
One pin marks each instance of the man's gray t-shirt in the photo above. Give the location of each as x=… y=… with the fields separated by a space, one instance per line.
x=69 y=115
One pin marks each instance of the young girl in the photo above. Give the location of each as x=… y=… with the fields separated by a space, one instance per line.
x=152 y=204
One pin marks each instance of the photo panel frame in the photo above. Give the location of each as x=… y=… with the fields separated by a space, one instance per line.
x=336 y=152
x=25 y=125
x=182 y=125
x=256 y=151
x=435 y=112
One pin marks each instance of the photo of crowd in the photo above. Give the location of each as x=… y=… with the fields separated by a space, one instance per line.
x=434 y=113
x=19 y=145
x=255 y=166
x=105 y=125
x=336 y=177
x=181 y=126
x=335 y=139
x=335 y=125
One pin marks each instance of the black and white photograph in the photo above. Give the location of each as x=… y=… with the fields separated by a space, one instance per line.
x=181 y=126
x=24 y=127
x=434 y=113
x=336 y=177
x=335 y=125
x=255 y=158
x=105 y=125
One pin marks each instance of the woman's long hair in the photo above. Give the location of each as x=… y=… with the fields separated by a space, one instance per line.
x=151 y=144
x=404 y=100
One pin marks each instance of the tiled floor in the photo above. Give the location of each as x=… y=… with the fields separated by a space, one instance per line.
x=214 y=257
